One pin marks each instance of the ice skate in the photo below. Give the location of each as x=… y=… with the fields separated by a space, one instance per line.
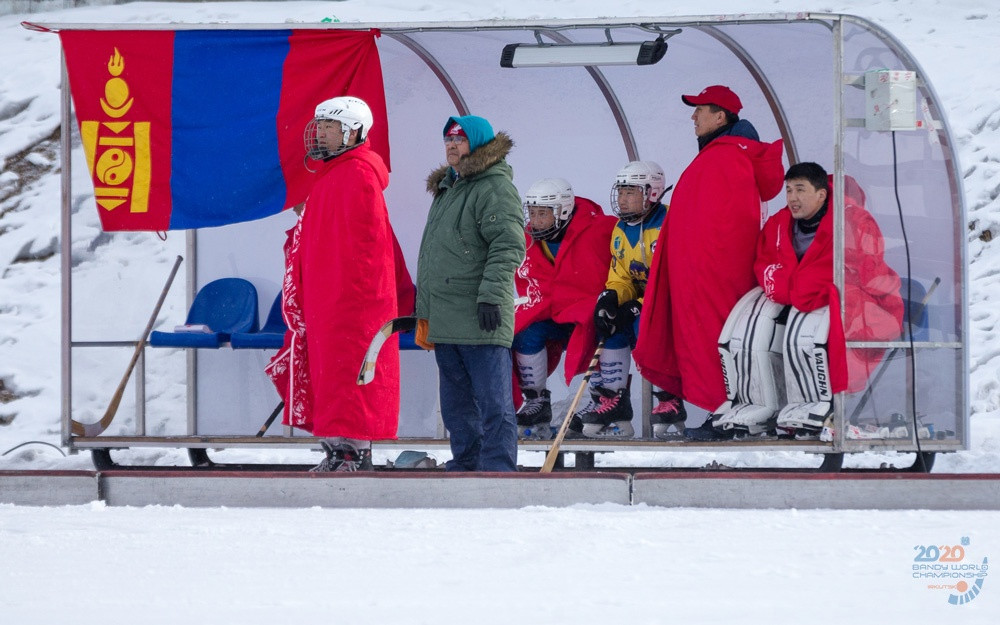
x=535 y=416
x=612 y=418
x=342 y=458
x=809 y=416
x=746 y=420
x=668 y=416
x=575 y=428
x=707 y=431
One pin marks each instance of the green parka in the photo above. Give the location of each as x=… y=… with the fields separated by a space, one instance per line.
x=472 y=245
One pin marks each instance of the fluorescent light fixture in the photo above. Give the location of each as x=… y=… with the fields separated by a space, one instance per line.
x=575 y=54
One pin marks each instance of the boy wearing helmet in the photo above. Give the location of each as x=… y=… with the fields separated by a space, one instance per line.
x=636 y=198
x=563 y=271
x=344 y=223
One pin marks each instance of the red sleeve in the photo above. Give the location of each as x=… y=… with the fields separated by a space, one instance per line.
x=406 y=292
x=773 y=274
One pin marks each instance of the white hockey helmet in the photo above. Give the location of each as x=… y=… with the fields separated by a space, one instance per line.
x=352 y=113
x=554 y=193
x=645 y=175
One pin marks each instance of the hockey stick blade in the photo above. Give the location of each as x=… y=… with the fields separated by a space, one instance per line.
x=399 y=324
x=78 y=428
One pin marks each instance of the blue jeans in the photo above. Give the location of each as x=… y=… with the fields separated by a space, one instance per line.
x=477 y=406
x=532 y=339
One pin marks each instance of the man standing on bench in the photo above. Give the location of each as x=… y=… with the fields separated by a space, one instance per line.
x=339 y=260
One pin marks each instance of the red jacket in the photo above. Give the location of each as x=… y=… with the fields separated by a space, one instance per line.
x=343 y=270
x=873 y=307
x=566 y=291
x=704 y=265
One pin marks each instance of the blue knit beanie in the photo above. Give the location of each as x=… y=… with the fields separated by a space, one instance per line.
x=478 y=130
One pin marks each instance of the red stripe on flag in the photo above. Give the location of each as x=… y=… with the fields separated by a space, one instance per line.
x=319 y=66
x=121 y=84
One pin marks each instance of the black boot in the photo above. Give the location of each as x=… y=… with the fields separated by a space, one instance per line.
x=535 y=415
x=342 y=457
x=612 y=418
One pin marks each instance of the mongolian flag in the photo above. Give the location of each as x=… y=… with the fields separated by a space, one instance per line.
x=196 y=128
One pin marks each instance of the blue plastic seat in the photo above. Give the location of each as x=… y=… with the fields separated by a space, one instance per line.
x=271 y=336
x=226 y=306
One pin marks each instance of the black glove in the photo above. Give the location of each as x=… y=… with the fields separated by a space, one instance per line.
x=489 y=316
x=605 y=313
x=628 y=313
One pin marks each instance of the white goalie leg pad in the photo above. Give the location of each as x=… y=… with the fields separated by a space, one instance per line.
x=807 y=370
x=750 y=353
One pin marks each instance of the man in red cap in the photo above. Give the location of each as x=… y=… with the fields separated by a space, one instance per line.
x=707 y=247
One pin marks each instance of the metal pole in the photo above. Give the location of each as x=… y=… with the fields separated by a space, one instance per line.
x=191 y=245
x=838 y=205
x=65 y=249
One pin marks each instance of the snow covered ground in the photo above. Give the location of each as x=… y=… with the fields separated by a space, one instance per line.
x=584 y=564
x=588 y=564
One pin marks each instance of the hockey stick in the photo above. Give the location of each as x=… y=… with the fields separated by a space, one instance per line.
x=94 y=429
x=399 y=324
x=550 y=458
x=270 y=419
x=888 y=357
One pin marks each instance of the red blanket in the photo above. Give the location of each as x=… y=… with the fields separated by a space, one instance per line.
x=873 y=307
x=704 y=265
x=344 y=278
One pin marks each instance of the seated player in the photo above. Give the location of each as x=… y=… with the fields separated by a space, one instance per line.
x=783 y=353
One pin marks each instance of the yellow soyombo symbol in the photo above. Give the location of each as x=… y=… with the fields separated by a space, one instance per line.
x=118 y=153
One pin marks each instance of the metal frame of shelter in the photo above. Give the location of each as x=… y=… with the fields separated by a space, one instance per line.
x=562 y=31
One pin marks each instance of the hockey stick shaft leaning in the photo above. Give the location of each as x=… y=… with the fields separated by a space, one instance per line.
x=550 y=458
x=270 y=419
x=94 y=429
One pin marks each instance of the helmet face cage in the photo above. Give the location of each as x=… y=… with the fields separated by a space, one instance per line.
x=554 y=194
x=631 y=216
x=644 y=175
x=352 y=113
x=317 y=150
x=541 y=234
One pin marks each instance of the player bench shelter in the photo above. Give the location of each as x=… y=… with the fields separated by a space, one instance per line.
x=839 y=89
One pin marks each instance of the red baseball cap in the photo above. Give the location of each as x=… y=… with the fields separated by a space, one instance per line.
x=456 y=130
x=718 y=95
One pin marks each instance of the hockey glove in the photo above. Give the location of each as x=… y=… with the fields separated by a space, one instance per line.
x=627 y=314
x=489 y=316
x=605 y=313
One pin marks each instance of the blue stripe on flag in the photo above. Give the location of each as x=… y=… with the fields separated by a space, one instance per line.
x=226 y=91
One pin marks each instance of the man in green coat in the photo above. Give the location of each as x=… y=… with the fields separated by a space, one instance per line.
x=472 y=245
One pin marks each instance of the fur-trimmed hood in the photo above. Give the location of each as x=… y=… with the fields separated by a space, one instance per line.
x=476 y=162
